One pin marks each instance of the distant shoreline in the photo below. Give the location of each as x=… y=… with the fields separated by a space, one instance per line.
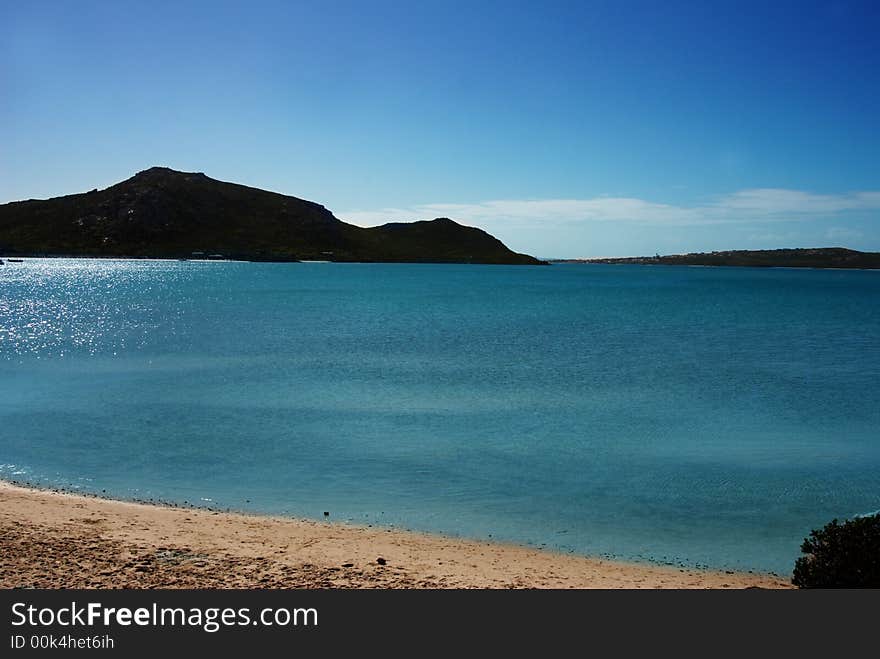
x=104 y=257
x=825 y=258
x=706 y=265
x=50 y=534
x=686 y=260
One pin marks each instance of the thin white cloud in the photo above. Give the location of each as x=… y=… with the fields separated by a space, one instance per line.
x=774 y=201
x=843 y=234
x=745 y=206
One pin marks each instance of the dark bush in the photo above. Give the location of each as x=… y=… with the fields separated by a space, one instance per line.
x=841 y=555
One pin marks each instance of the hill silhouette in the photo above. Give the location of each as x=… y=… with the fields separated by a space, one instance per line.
x=163 y=213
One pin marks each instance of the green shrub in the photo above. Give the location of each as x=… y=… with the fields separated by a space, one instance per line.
x=841 y=555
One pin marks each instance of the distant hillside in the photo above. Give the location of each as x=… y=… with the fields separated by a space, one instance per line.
x=820 y=257
x=162 y=213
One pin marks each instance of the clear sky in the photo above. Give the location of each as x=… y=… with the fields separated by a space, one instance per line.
x=565 y=129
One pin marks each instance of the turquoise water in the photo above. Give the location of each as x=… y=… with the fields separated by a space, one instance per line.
x=705 y=416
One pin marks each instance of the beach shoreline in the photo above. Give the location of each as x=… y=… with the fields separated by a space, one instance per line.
x=57 y=539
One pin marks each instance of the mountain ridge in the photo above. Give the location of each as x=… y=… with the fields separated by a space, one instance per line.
x=164 y=213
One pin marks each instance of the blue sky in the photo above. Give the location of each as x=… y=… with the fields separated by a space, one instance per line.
x=565 y=129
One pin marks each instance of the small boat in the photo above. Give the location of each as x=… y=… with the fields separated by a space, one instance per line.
x=15 y=260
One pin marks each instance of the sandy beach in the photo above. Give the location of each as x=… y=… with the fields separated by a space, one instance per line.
x=52 y=539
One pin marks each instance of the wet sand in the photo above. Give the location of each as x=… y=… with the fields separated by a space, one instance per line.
x=52 y=539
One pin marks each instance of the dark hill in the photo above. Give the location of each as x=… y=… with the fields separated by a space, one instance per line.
x=162 y=213
x=818 y=257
